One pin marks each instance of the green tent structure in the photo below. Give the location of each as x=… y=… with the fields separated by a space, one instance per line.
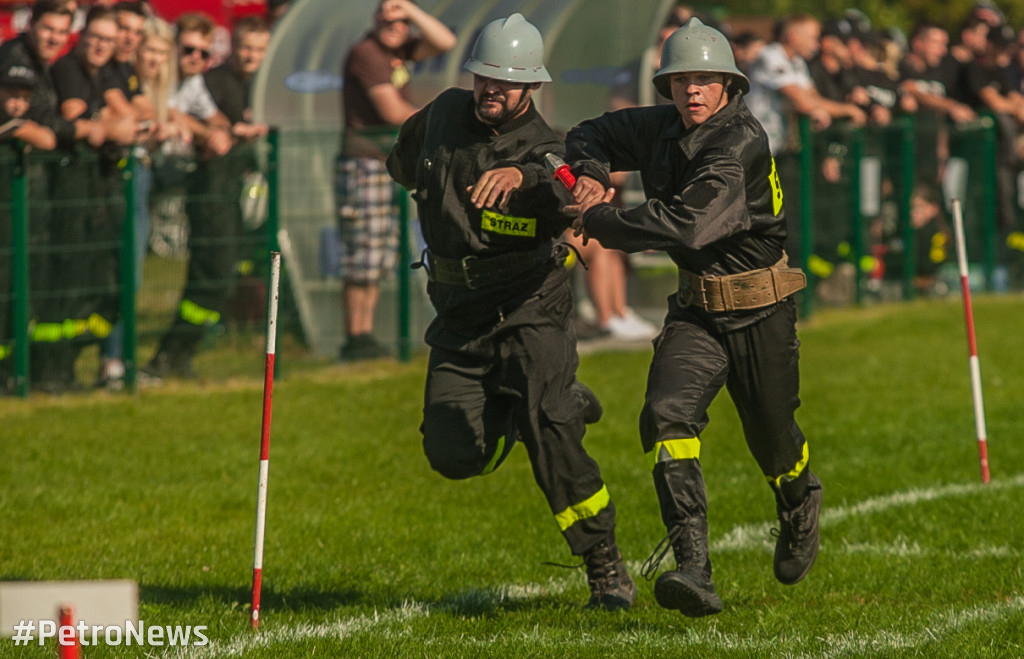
x=593 y=47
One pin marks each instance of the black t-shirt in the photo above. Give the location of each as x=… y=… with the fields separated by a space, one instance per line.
x=881 y=89
x=977 y=77
x=73 y=81
x=833 y=86
x=230 y=92
x=938 y=80
x=126 y=78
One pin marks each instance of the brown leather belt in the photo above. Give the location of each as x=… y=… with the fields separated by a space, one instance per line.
x=747 y=290
x=473 y=272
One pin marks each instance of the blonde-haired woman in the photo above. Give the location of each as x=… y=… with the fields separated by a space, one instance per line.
x=158 y=78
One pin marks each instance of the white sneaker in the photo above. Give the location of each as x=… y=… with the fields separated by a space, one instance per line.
x=640 y=324
x=630 y=329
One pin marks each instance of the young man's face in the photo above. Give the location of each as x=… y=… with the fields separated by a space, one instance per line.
x=932 y=46
x=129 y=35
x=99 y=40
x=249 y=50
x=698 y=96
x=50 y=34
x=193 y=52
x=15 y=101
x=497 y=101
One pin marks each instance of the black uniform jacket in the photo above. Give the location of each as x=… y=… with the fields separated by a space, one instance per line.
x=714 y=203
x=44 y=108
x=441 y=151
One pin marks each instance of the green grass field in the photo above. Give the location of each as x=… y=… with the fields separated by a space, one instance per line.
x=371 y=554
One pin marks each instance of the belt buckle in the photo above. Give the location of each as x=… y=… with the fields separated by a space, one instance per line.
x=685 y=292
x=465 y=263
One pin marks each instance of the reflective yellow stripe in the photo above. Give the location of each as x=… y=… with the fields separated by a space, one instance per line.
x=508 y=225
x=99 y=326
x=46 y=332
x=773 y=180
x=675 y=449
x=493 y=464
x=70 y=328
x=196 y=315
x=585 y=510
x=797 y=470
x=819 y=267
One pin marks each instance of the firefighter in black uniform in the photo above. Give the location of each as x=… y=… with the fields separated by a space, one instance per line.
x=52 y=330
x=503 y=349
x=715 y=206
x=213 y=206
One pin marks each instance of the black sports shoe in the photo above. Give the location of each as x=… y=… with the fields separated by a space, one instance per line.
x=611 y=587
x=592 y=409
x=687 y=589
x=688 y=593
x=169 y=365
x=360 y=347
x=797 y=544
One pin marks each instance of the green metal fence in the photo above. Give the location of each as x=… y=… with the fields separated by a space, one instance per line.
x=856 y=190
x=57 y=245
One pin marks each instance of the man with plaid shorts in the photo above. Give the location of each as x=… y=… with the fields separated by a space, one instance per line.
x=375 y=101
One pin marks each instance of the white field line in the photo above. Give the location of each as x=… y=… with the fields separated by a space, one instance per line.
x=852 y=644
x=269 y=636
x=740 y=538
x=756 y=535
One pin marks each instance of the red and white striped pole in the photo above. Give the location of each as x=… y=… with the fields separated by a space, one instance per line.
x=66 y=613
x=972 y=345
x=268 y=393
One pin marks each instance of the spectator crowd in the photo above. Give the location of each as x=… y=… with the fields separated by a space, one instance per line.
x=97 y=82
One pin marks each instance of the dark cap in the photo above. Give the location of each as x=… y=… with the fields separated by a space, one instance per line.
x=840 y=28
x=18 y=75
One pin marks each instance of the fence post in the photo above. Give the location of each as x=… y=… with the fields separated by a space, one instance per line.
x=988 y=204
x=19 y=265
x=856 y=216
x=908 y=173
x=273 y=222
x=404 y=276
x=806 y=193
x=273 y=191
x=128 y=265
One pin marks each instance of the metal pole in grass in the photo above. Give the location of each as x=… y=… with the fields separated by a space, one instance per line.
x=268 y=392
x=972 y=345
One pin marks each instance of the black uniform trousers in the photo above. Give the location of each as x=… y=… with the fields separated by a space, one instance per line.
x=514 y=381
x=215 y=230
x=758 y=364
x=76 y=293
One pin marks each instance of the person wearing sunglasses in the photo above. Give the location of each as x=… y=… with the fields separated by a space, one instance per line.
x=192 y=102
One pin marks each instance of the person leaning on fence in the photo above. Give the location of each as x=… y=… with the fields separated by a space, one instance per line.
x=88 y=213
x=16 y=134
x=213 y=205
x=375 y=100
x=502 y=346
x=781 y=92
x=46 y=36
x=714 y=205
